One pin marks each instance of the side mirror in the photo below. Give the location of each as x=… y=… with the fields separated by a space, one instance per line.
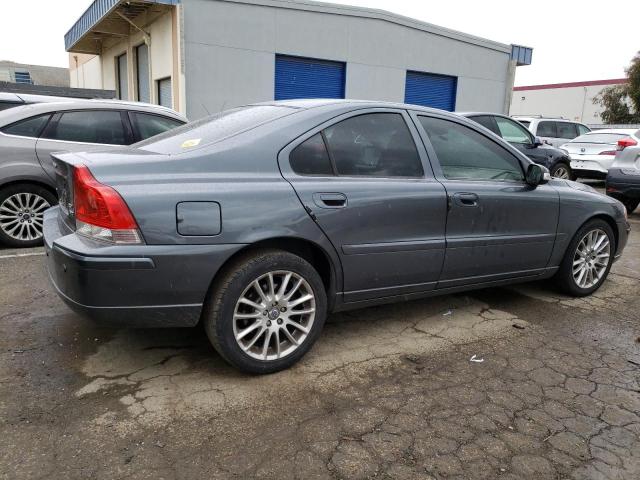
x=537 y=142
x=537 y=175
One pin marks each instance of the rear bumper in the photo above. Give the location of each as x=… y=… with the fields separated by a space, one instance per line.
x=137 y=286
x=591 y=167
x=626 y=183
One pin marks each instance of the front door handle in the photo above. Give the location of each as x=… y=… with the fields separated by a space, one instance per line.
x=464 y=199
x=330 y=200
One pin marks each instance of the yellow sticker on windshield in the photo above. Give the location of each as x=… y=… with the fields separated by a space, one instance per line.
x=191 y=143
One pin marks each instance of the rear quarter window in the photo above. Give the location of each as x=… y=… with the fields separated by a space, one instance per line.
x=212 y=129
x=29 y=127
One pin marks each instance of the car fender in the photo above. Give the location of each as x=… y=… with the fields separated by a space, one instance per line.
x=29 y=172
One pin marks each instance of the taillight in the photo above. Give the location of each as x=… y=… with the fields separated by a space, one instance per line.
x=100 y=211
x=608 y=152
x=626 y=142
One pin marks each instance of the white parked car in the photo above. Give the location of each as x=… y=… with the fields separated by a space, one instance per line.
x=553 y=131
x=593 y=153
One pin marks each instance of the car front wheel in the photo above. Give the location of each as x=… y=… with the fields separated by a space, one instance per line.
x=588 y=259
x=563 y=171
x=22 y=208
x=266 y=311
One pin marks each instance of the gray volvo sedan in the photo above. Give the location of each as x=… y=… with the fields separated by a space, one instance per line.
x=262 y=219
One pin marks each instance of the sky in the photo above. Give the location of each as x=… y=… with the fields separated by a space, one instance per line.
x=571 y=40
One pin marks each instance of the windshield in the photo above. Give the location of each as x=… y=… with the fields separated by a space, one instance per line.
x=212 y=129
x=526 y=123
x=608 y=138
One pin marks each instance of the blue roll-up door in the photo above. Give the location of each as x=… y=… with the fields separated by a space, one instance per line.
x=298 y=77
x=430 y=90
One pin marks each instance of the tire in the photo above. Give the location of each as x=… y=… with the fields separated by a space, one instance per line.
x=562 y=170
x=630 y=203
x=22 y=207
x=565 y=277
x=225 y=316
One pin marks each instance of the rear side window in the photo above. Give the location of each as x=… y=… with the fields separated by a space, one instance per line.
x=567 y=130
x=147 y=125
x=89 y=126
x=30 y=127
x=465 y=154
x=211 y=129
x=374 y=144
x=547 y=129
x=311 y=157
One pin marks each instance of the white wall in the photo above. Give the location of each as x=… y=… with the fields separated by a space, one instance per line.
x=230 y=55
x=574 y=103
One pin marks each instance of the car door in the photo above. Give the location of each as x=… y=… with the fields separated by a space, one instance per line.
x=546 y=130
x=566 y=131
x=18 y=142
x=497 y=225
x=365 y=179
x=80 y=130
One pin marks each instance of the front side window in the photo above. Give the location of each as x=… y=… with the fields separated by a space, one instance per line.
x=547 y=129
x=89 y=126
x=148 y=125
x=465 y=154
x=487 y=121
x=374 y=144
x=30 y=127
x=311 y=157
x=567 y=130
x=512 y=132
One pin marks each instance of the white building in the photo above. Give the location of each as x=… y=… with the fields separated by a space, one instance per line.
x=573 y=101
x=202 y=56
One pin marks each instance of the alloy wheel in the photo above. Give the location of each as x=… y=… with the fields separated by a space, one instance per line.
x=591 y=258
x=274 y=315
x=562 y=172
x=22 y=216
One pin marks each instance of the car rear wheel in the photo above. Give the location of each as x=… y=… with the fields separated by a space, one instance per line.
x=266 y=311
x=563 y=171
x=588 y=259
x=22 y=208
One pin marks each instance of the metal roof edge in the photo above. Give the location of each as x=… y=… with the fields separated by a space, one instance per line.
x=378 y=14
x=587 y=83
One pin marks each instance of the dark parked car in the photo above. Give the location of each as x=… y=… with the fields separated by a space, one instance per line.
x=262 y=219
x=29 y=134
x=557 y=161
x=623 y=179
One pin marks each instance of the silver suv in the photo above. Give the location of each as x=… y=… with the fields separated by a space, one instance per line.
x=29 y=134
x=553 y=131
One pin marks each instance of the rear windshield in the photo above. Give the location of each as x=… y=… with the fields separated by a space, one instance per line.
x=526 y=123
x=212 y=129
x=609 y=138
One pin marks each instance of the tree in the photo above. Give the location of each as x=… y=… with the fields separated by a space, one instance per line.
x=621 y=103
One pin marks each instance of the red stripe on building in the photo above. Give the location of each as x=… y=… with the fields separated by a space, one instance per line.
x=615 y=81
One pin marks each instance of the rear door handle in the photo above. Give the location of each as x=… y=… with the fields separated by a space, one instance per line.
x=463 y=199
x=330 y=200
